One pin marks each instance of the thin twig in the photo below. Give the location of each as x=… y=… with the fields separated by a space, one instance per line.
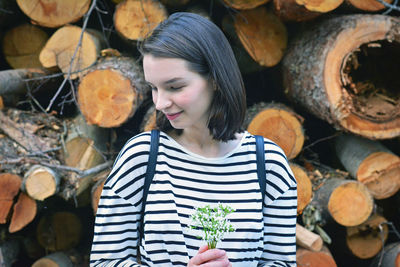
x=92 y=7
x=320 y=140
x=389 y=5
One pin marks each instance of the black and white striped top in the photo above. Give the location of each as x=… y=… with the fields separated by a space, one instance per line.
x=183 y=181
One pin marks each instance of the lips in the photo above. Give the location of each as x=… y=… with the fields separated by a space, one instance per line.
x=173 y=116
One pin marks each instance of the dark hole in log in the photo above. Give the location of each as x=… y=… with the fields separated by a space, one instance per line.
x=371 y=78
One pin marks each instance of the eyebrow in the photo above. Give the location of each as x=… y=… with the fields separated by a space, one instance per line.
x=173 y=80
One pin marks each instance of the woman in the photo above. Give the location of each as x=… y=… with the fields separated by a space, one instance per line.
x=204 y=157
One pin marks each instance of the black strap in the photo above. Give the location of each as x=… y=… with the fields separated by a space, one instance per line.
x=260 y=151
x=151 y=167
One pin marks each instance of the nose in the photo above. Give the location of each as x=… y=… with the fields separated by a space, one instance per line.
x=161 y=99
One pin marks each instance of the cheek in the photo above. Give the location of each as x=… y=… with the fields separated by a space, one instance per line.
x=154 y=96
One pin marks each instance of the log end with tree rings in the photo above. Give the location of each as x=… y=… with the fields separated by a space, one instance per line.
x=54 y=13
x=367 y=239
x=368 y=5
x=310 y=258
x=10 y=185
x=244 y=4
x=41 y=182
x=262 y=34
x=304 y=187
x=322 y=6
x=134 y=20
x=278 y=124
x=350 y=203
x=380 y=172
x=289 y=10
x=22 y=45
x=24 y=212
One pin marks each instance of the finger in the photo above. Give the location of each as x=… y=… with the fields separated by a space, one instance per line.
x=208 y=255
x=202 y=249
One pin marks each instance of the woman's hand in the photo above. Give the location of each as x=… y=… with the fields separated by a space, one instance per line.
x=209 y=258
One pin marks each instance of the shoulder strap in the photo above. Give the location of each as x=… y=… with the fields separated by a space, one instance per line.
x=151 y=167
x=260 y=151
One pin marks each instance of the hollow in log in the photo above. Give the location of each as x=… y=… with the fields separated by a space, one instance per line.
x=56 y=259
x=22 y=45
x=112 y=91
x=304 y=187
x=368 y=5
x=9 y=188
x=262 y=34
x=320 y=5
x=311 y=258
x=244 y=4
x=41 y=182
x=277 y=123
x=289 y=10
x=366 y=240
x=390 y=257
x=134 y=20
x=371 y=163
x=24 y=212
x=54 y=13
x=342 y=71
x=60 y=49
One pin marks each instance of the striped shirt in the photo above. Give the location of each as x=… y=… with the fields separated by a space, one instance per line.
x=264 y=235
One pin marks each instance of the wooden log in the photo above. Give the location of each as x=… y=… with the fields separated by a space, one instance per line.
x=289 y=10
x=368 y=5
x=311 y=258
x=149 y=121
x=370 y=163
x=22 y=45
x=112 y=91
x=320 y=5
x=54 y=13
x=366 y=240
x=9 y=251
x=347 y=202
x=9 y=188
x=304 y=187
x=390 y=257
x=60 y=49
x=307 y=239
x=56 y=259
x=24 y=212
x=244 y=4
x=334 y=70
x=134 y=20
x=97 y=189
x=175 y=3
x=278 y=123
x=41 y=182
x=66 y=231
x=262 y=34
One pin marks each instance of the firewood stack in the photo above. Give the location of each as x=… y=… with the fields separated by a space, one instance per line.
x=321 y=79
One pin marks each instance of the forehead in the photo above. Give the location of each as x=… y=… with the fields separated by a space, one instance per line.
x=157 y=69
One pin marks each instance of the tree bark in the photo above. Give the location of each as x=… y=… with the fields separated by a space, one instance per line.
x=289 y=10
x=9 y=188
x=304 y=187
x=9 y=251
x=322 y=73
x=112 y=91
x=278 y=123
x=370 y=163
x=368 y=5
x=262 y=34
x=54 y=13
x=391 y=256
x=56 y=259
x=134 y=20
x=244 y=4
x=23 y=213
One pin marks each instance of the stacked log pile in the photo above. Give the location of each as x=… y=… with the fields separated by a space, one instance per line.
x=321 y=80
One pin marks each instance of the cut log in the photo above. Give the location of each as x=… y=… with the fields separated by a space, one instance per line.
x=366 y=240
x=347 y=202
x=342 y=71
x=149 y=121
x=54 y=13
x=41 y=182
x=370 y=163
x=134 y=20
x=310 y=258
x=262 y=34
x=320 y=5
x=244 y=4
x=56 y=259
x=23 y=213
x=368 y=5
x=96 y=191
x=278 y=123
x=9 y=251
x=112 y=91
x=22 y=45
x=66 y=231
x=60 y=48
x=289 y=10
x=304 y=187
x=9 y=188
x=307 y=239
x=390 y=257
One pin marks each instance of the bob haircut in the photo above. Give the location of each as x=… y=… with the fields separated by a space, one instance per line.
x=205 y=48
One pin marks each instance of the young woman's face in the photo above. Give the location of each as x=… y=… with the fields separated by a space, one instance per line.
x=182 y=95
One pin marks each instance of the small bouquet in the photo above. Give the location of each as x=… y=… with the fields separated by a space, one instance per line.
x=213 y=222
